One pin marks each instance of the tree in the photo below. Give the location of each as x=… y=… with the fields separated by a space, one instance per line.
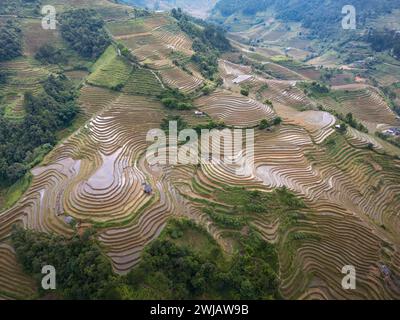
x=277 y=121
x=51 y=55
x=83 y=30
x=245 y=92
x=3 y=76
x=10 y=41
x=264 y=124
x=16 y=171
x=83 y=272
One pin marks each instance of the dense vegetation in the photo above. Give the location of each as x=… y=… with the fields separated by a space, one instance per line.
x=395 y=140
x=265 y=124
x=181 y=123
x=3 y=76
x=385 y=40
x=22 y=142
x=82 y=271
x=186 y=263
x=20 y=7
x=84 y=30
x=10 y=41
x=208 y=42
x=48 y=54
x=174 y=99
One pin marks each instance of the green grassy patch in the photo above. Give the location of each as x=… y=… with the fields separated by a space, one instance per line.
x=10 y=196
x=110 y=70
x=280 y=58
x=143 y=82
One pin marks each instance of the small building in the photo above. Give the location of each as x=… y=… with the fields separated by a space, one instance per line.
x=385 y=270
x=286 y=50
x=199 y=113
x=147 y=188
x=241 y=78
x=69 y=220
x=392 y=132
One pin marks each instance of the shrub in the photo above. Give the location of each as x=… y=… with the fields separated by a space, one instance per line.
x=245 y=92
x=51 y=55
x=264 y=124
x=277 y=121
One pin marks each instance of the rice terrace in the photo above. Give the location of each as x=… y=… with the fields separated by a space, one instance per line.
x=294 y=193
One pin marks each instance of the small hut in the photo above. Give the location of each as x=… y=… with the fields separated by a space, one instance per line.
x=147 y=188
x=69 y=220
x=385 y=270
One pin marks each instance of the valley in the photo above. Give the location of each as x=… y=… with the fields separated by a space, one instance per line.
x=323 y=192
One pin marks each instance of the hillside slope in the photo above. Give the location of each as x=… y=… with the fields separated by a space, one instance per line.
x=322 y=17
x=199 y=9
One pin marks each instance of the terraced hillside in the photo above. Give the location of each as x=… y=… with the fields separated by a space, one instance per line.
x=367 y=104
x=321 y=197
x=153 y=40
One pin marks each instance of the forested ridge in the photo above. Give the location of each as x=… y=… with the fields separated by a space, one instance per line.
x=21 y=142
x=84 y=31
x=169 y=269
x=17 y=7
x=10 y=41
x=209 y=41
x=382 y=40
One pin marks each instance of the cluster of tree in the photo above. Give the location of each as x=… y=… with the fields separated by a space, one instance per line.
x=210 y=125
x=208 y=41
x=48 y=54
x=352 y=122
x=22 y=141
x=10 y=41
x=316 y=88
x=84 y=30
x=174 y=99
x=171 y=271
x=347 y=119
x=393 y=140
x=167 y=270
x=3 y=76
x=82 y=270
x=181 y=123
x=211 y=35
x=385 y=40
x=264 y=124
x=20 y=7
